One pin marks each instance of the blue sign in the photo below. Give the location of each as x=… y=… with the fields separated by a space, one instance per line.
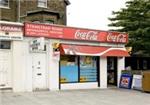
x=69 y=74
x=125 y=81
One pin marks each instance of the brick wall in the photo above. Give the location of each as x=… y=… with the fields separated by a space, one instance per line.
x=10 y=13
x=27 y=7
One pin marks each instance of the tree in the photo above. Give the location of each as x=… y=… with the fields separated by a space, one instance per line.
x=135 y=20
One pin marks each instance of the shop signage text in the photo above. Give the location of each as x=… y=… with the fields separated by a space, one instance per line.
x=61 y=32
x=11 y=32
x=7 y=37
x=10 y=28
x=37 y=44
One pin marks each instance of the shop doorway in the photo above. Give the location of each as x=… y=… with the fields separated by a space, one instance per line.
x=5 y=65
x=39 y=71
x=112 y=71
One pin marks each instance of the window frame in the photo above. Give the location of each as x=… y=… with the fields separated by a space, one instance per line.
x=2 y=42
x=42 y=1
x=3 y=6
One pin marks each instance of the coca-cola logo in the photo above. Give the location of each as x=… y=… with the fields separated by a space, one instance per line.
x=117 y=38
x=88 y=35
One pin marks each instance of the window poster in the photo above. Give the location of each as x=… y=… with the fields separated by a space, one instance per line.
x=68 y=69
x=69 y=74
x=88 y=70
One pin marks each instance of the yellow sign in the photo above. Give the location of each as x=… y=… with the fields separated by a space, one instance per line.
x=55 y=45
x=129 y=49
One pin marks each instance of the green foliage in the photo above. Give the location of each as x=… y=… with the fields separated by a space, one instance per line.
x=135 y=20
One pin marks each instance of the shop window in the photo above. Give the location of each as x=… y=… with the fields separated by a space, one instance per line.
x=78 y=69
x=4 y=3
x=68 y=69
x=5 y=45
x=88 y=69
x=42 y=3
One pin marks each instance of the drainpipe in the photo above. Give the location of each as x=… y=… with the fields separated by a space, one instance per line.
x=18 y=10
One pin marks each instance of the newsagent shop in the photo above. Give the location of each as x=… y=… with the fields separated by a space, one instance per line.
x=75 y=58
x=55 y=57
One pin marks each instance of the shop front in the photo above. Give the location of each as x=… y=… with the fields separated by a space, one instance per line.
x=11 y=35
x=79 y=58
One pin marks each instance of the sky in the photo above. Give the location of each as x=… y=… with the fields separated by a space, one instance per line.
x=92 y=14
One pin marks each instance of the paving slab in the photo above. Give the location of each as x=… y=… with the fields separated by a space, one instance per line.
x=109 y=96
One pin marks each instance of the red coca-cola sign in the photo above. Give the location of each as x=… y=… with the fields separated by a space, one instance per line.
x=71 y=33
x=118 y=37
x=88 y=35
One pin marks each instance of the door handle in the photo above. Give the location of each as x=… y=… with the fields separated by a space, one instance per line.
x=38 y=67
x=39 y=74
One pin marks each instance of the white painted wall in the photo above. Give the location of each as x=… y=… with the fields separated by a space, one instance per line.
x=5 y=68
x=18 y=64
x=69 y=86
x=28 y=66
x=22 y=66
x=121 y=66
x=103 y=72
x=53 y=69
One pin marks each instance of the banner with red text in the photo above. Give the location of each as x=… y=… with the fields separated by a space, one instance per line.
x=63 y=32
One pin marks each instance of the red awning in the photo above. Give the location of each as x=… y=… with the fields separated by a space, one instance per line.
x=116 y=52
x=92 y=50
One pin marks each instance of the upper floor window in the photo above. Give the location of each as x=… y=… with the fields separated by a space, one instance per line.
x=4 y=3
x=42 y=3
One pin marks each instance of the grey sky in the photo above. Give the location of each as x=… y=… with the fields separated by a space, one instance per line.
x=92 y=13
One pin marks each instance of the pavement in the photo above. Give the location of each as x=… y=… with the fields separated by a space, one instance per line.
x=109 y=96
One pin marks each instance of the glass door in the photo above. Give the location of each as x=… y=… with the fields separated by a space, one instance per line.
x=112 y=70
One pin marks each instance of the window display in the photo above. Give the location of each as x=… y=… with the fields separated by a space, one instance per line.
x=88 y=70
x=78 y=69
x=68 y=69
